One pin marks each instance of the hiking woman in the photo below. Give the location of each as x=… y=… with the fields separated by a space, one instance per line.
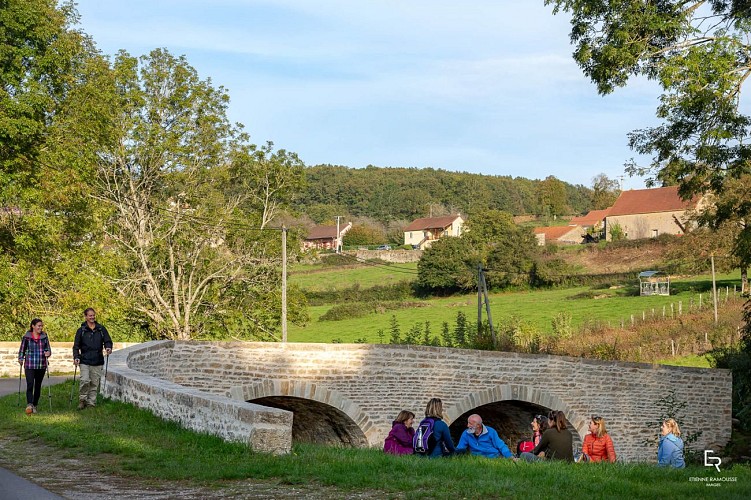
x=33 y=354
x=399 y=440
x=598 y=445
x=670 y=450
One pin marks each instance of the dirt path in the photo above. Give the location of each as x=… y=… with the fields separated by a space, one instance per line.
x=76 y=478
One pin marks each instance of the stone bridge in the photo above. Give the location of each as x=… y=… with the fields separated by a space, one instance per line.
x=270 y=394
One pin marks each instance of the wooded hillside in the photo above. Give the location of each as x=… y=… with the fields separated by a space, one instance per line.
x=389 y=194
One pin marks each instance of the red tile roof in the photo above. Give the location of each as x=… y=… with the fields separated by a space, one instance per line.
x=431 y=223
x=321 y=232
x=646 y=201
x=593 y=218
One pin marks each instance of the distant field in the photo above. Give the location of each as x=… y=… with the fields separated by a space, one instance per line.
x=317 y=278
x=536 y=308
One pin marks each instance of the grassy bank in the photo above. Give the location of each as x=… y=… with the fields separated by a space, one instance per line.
x=134 y=443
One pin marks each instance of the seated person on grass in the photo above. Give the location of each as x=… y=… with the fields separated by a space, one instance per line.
x=482 y=440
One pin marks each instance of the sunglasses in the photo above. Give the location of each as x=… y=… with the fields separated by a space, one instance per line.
x=595 y=418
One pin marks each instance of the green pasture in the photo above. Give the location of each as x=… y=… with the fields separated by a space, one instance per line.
x=537 y=308
x=122 y=440
x=321 y=278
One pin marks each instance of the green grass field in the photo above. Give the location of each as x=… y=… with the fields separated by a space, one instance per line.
x=537 y=308
x=122 y=440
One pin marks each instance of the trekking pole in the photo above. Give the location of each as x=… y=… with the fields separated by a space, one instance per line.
x=73 y=387
x=106 y=365
x=20 y=369
x=49 y=384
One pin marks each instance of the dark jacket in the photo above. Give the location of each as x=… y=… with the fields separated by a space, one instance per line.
x=557 y=445
x=89 y=343
x=399 y=440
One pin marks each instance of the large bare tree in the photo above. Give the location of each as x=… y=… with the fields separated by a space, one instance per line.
x=196 y=259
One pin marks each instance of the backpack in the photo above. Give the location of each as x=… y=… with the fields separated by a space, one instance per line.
x=423 y=442
x=525 y=447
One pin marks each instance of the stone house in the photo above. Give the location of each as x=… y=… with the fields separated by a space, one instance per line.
x=421 y=233
x=560 y=235
x=648 y=213
x=325 y=237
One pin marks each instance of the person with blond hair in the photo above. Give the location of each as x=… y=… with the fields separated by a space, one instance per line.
x=399 y=440
x=439 y=440
x=598 y=446
x=670 y=450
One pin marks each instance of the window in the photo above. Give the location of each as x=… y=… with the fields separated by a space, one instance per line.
x=654 y=233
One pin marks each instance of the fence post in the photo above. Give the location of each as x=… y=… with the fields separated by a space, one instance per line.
x=663 y=312
x=680 y=308
x=699 y=301
x=672 y=346
x=632 y=320
x=671 y=310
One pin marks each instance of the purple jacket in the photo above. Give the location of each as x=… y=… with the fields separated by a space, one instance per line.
x=399 y=440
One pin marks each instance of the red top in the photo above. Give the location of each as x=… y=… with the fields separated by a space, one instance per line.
x=599 y=448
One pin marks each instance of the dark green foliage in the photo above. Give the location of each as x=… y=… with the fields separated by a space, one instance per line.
x=402 y=194
x=446 y=337
x=461 y=330
x=737 y=358
x=347 y=310
x=378 y=293
x=396 y=334
x=449 y=265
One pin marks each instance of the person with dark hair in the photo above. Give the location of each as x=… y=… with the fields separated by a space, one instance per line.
x=539 y=426
x=556 y=442
x=597 y=446
x=91 y=338
x=439 y=441
x=33 y=356
x=399 y=440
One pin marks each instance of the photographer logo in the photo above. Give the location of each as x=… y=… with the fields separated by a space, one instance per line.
x=711 y=460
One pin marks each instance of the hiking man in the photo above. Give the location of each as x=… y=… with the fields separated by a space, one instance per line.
x=90 y=339
x=482 y=440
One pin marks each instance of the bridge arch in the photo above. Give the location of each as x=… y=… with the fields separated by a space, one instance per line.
x=321 y=415
x=519 y=403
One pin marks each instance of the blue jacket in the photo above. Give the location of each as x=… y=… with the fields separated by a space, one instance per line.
x=670 y=452
x=444 y=446
x=487 y=444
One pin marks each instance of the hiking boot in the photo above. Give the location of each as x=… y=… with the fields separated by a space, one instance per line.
x=81 y=405
x=29 y=409
x=34 y=409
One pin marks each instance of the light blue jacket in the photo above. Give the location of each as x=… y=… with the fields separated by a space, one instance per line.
x=487 y=444
x=670 y=452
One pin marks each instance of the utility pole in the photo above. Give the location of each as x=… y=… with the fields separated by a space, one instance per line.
x=338 y=235
x=284 y=284
x=714 y=295
x=482 y=296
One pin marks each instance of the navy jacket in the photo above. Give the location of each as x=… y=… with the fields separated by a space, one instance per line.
x=88 y=344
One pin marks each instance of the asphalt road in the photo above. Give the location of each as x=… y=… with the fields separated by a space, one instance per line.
x=13 y=487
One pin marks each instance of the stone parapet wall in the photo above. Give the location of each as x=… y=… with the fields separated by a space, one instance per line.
x=61 y=361
x=263 y=429
x=399 y=256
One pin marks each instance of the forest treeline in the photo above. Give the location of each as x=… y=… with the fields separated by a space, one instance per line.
x=389 y=194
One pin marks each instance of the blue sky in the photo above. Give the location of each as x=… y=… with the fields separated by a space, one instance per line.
x=476 y=86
